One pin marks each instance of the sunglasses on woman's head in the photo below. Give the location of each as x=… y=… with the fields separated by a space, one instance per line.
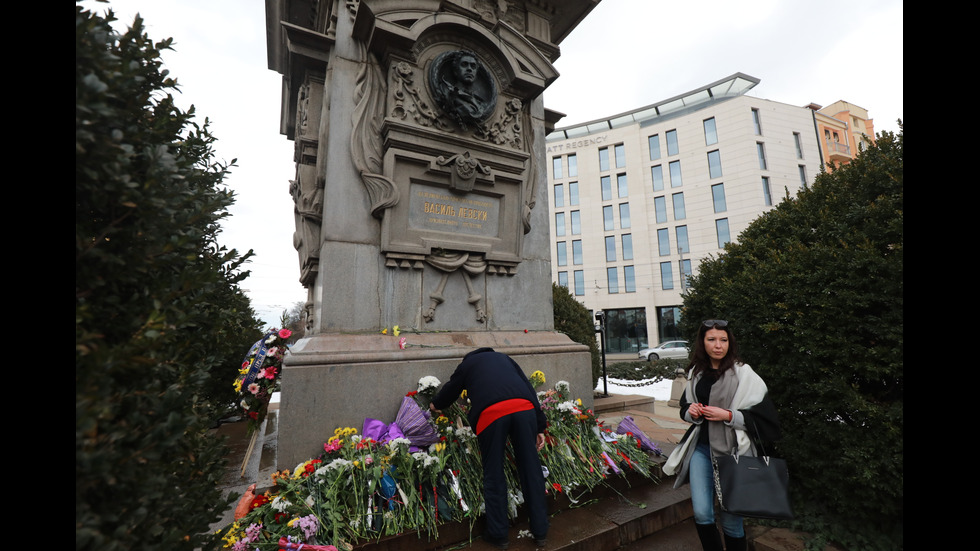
x=715 y=323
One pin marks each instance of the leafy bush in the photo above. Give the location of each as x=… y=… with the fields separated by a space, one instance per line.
x=814 y=291
x=573 y=319
x=157 y=302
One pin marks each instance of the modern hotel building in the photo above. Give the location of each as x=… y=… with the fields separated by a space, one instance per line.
x=640 y=199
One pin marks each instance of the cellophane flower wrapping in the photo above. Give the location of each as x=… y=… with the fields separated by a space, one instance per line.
x=628 y=426
x=375 y=483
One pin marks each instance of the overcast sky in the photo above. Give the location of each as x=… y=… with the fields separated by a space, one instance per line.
x=626 y=54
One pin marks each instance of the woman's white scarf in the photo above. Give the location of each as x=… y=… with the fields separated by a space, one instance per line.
x=750 y=391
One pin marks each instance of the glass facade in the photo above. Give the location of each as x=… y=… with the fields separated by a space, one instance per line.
x=626 y=330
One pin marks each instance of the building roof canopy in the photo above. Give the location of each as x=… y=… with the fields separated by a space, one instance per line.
x=731 y=86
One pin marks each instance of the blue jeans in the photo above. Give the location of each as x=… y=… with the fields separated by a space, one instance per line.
x=702 y=478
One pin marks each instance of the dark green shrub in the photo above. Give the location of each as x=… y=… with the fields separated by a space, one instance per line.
x=814 y=292
x=573 y=319
x=642 y=370
x=157 y=303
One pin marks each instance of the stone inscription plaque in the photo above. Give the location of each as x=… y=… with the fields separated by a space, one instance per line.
x=435 y=208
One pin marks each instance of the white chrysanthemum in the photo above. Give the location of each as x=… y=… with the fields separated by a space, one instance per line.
x=425 y=458
x=428 y=383
x=569 y=407
x=338 y=464
x=280 y=504
x=271 y=339
x=562 y=386
x=465 y=432
x=395 y=443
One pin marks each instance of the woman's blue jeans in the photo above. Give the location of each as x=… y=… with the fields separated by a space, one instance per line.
x=702 y=478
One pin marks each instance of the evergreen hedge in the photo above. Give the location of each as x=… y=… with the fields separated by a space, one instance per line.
x=814 y=292
x=158 y=309
x=573 y=319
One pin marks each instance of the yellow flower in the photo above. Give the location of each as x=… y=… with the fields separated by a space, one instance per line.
x=292 y=522
x=238 y=386
x=537 y=379
x=384 y=331
x=396 y=331
x=463 y=394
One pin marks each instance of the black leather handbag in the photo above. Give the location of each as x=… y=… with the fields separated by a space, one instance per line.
x=753 y=486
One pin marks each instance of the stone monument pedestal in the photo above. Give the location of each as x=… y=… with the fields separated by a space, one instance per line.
x=338 y=380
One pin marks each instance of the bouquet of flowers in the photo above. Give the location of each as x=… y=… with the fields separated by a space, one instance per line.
x=368 y=485
x=260 y=376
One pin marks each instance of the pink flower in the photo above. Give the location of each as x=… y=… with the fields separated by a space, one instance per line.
x=253 y=388
x=270 y=373
x=402 y=343
x=285 y=333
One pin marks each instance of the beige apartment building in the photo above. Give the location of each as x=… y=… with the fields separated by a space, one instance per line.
x=640 y=199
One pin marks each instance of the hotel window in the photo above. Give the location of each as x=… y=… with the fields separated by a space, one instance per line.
x=680 y=212
x=718 y=197
x=607 y=218
x=663 y=241
x=577 y=252
x=604 y=158
x=624 y=215
x=563 y=279
x=714 y=164
x=576 y=222
x=721 y=229
x=756 y=122
x=559 y=224
x=610 y=248
x=654 y=142
x=573 y=193
x=562 y=254
x=605 y=183
x=671 y=142
x=612 y=280
x=666 y=276
x=766 y=192
x=798 y=140
x=620 y=152
x=629 y=279
x=761 y=148
x=657 y=173
x=572 y=166
x=660 y=208
x=675 y=174
x=627 y=246
x=685 y=266
x=621 y=186
x=556 y=167
x=710 y=133
x=579 y=282
x=559 y=195
x=802 y=176
x=683 y=246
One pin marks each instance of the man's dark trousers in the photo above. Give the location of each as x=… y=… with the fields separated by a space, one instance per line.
x=521 y=427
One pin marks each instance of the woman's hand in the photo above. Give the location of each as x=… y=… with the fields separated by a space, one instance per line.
x=539 y=441
x=695 y=411
x=712 y=413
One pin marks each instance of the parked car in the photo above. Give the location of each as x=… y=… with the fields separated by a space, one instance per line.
x=669 y=349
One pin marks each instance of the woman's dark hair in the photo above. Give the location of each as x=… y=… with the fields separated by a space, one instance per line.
x=700 y=361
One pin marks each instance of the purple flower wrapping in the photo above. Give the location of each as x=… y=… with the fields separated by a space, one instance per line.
x=414 y=424
x=627 y=425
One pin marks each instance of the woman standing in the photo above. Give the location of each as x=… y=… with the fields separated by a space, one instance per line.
x=725 y=402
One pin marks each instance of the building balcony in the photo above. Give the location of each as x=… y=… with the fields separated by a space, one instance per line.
x=837 y=151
